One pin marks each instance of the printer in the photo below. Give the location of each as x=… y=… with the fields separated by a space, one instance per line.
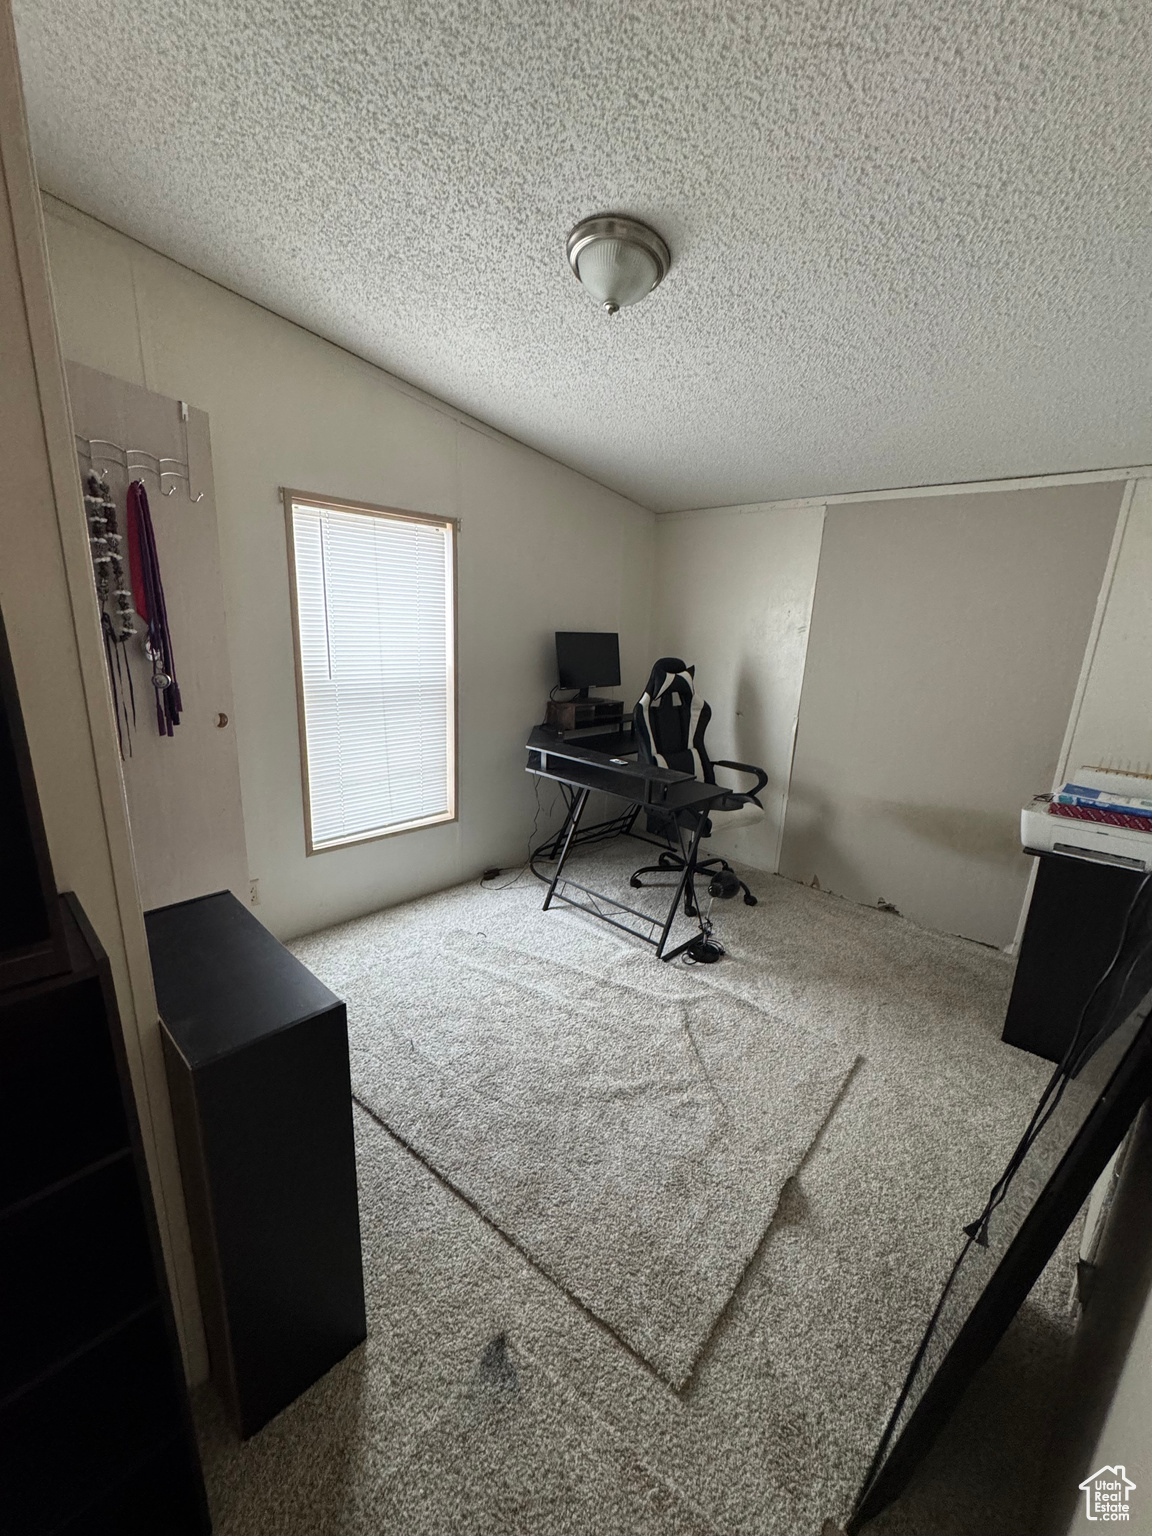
x=1099 y=815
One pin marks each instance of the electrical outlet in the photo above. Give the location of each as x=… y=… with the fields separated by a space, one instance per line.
x=254 y=888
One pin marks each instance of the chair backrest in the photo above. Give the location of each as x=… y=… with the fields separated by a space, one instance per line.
x=670 y=720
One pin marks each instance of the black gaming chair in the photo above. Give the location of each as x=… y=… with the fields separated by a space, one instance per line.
x=669 y=724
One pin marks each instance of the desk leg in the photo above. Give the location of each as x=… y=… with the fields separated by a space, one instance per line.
x=550 y=849
x=687 y=875
x=573 y=823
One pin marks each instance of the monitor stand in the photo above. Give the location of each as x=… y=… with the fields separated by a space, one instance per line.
x=584 y=714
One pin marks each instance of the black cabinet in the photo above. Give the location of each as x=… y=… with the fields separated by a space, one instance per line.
x=95 y=1431
x=32 y=942
x=1075 y=921
x=257 y=1057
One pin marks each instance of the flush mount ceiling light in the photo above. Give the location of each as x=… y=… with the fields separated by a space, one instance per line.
x=618 y=260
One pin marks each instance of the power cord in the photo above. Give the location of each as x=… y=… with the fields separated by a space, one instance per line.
x=522 y=869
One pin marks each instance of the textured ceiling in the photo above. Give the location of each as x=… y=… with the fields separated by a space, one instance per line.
x=910 y=242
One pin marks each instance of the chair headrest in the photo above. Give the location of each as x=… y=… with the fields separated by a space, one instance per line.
x=668 y=667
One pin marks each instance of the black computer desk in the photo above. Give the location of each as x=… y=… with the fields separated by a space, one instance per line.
x=578 y=770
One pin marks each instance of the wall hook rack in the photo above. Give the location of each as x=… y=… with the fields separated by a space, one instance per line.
x=137 y=461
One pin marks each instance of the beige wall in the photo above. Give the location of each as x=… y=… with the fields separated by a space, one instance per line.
x=734 y=595
x=947 y=638
x=541 y=548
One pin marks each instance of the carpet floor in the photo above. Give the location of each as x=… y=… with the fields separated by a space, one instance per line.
x=490 y=1396
x=629 y=1131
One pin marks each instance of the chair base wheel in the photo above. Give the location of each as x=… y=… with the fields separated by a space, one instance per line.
x=749 y=899
x=703 y=951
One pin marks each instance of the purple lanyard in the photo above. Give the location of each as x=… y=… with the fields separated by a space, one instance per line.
x=150 y=601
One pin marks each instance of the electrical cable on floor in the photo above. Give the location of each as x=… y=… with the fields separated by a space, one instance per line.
x=524 y=868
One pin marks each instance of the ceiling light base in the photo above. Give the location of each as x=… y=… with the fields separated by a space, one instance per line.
x=618 y=260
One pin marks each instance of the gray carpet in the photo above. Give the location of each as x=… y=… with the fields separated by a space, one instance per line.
x=775 y=1428
x=630 y=1131
x=510 y=1450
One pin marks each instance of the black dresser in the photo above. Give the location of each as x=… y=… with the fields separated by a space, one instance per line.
x=257 y=1056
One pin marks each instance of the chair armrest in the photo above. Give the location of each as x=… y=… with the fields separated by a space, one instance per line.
x=761 y=776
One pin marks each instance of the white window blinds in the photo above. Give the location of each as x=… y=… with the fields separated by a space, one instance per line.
x=376 y=652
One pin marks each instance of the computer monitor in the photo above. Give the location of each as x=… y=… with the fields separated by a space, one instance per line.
x=586 y=659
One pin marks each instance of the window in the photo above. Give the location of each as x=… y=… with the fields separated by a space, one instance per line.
x=373 y=603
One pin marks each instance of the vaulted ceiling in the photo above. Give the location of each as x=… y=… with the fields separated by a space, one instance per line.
x=911 y=242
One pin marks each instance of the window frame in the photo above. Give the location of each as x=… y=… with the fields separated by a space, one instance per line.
x=293 y=498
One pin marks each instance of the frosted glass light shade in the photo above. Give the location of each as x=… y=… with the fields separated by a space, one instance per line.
x=618 y=260
x=616 y=272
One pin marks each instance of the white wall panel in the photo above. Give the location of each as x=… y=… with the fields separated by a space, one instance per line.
x=947 y=638
x=734 y=595
x=1114 y=720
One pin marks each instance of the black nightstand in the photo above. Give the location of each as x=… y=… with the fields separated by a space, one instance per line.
x=257 y=1055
